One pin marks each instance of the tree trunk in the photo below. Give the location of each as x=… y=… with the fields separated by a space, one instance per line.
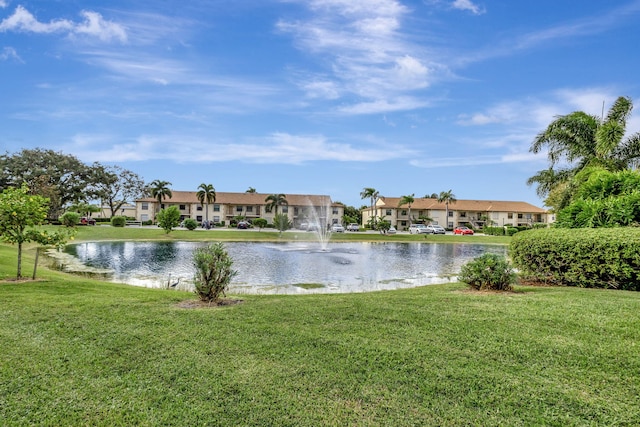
x=19 y=275
x=35 y=264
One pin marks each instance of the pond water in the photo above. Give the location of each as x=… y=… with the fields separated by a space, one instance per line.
x=283 y=268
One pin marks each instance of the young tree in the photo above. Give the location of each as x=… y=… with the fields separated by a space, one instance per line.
x=281 y=222
x=18 y=212
x=213 y=272
x=44 y=238
x=169 y=218
x=260 y=223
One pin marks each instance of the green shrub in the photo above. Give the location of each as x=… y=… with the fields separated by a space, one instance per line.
x=488 y=272
x=588 y=258
x=190 y=224
x=169 y=218
x=510 y=231
x=70 y=219
x=213 y=272
x=118 y=221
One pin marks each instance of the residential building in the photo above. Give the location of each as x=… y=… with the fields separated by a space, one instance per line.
x=227 y=206
x=474 y=213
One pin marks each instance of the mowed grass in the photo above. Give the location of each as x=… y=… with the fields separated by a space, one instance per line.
x=81 y=352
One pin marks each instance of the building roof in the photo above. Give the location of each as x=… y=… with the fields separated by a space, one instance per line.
x=256 y=199
x=462 y=205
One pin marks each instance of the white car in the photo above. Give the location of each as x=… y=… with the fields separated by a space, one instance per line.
x=337 y=228
x=392 y=230
x=353 y=227
x=418 y=229
x=436 y=229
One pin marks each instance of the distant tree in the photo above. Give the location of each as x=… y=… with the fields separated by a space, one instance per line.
x=431 y=196
x=19 y=211
x=371 y=194
x=260 y=223
x=407 y=200
x=446 y=197
x=169 y=218
x=61 y=178
x=352 y=215
x=160 y=190
x=250 y=190
x=206 y=194
x=281 y=222
x=116 y=186
x=84 y=209
x=275 y=200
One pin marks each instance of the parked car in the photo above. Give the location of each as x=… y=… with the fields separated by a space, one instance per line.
x=87 y=221
x=418 y=229
x=353 y=227
x=436 y=229
x=392 y=230
x=337 y=228
x=313 y=227
x=303 y=226
x=243 y=225
x=462 y=230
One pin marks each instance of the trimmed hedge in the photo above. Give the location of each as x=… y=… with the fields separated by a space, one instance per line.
x=587 y=258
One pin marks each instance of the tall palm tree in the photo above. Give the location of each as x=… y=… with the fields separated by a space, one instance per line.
x=372 y=194
x=407 y=200
x=206 y=194
x=582 y=140
x=160 y=190
x=275 y=200
x=446 y=197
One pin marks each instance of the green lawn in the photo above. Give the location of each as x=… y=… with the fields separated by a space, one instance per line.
x=81 y=352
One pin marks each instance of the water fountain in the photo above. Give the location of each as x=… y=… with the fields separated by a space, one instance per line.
x=320 y=223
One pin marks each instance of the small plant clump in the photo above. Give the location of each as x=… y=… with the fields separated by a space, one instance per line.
x=118 y=221
x=70 y=219
x=190 y=224
x=213 y=272
x=488 y=272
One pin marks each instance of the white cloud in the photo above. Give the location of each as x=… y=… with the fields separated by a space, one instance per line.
x=282 y=148
x=3 y=4
x=9 y=53
x=94 y=25
x=367 y=53
x=468 y=5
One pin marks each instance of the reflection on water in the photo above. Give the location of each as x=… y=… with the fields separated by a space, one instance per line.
x=287 y=268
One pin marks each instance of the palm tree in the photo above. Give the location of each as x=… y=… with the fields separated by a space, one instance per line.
x=584 y=140
x=160 y=190
x=275 y=200
x=206 y=194
x=446 y=197
x=407 y=200
x=372 y=194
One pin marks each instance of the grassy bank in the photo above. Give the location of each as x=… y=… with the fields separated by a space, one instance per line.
x=80 y=352
x=154 y=233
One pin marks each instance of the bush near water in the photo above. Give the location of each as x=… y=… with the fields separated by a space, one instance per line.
x=587 y=258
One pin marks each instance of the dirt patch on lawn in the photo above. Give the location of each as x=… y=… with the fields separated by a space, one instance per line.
x=203 y=304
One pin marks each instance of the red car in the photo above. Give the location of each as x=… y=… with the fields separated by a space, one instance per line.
x=87 y=221
x=462 y=230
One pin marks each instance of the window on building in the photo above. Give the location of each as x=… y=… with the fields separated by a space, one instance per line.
x=403 y=223
x=249 y=208
x=216 y=208
x=335 y=211
x=295 y=211
x=199 y=218
x=404 y=212
x=285 y=209
x=519 y=216
x=183 y=207
x=145 y=206
x=161 y=205
x=451 y=214
x=463 y=214
x=388 y=212
x=199 y=208
x=238 y=208
x=510 y=215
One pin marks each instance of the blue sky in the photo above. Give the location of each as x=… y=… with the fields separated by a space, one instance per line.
x=313 y=96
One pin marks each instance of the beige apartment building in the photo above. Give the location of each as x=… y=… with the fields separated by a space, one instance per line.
x=474 y=213
x=227 y=206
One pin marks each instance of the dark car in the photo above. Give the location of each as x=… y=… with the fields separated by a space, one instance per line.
x=87 y=221
x=243 y=225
